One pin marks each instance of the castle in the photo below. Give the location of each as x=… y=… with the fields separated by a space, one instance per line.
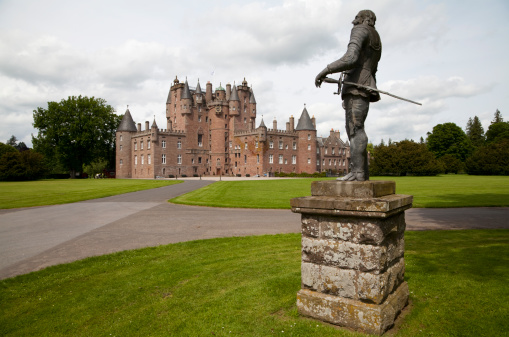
x=214 y=133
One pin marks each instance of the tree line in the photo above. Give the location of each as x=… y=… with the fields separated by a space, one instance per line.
x=447 y=149
x=75 y=135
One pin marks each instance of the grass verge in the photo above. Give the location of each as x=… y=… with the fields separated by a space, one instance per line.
x=247 y=287
x=440 y=191
x=54 y=192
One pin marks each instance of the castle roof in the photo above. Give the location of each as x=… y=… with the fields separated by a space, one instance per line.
x=198 y=88
x=127 y=123
x=262 y=124
x=154 y=124
x=252 y=98
x=187 y=92
x=220 y=87
x=305 y=122
x=234 y=96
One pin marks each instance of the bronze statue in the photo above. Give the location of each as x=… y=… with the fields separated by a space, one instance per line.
x=358 y=81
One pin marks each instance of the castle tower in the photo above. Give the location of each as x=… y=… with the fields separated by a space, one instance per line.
x=306 y=131
x=125 y=131
x=219 y=132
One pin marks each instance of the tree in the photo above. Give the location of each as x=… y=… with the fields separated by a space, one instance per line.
x=5 y=148
x=12 y=141
x=497 y=118
x=26 y=165
x=451 y=164
x=475 y=132
x=497 y=132
x=492 y=159
x=448 y=138
x=76 y=131
x=402 y=158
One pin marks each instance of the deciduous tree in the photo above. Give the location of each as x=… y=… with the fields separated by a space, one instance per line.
x=76 y=131
x=448 y=138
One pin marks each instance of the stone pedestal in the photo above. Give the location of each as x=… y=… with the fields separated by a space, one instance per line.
x=353 y=249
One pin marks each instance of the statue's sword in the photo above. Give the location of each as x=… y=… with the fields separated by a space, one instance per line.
x=340 y=82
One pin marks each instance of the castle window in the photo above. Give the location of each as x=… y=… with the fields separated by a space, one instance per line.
x=318 y=162
x=163 y=159
x=192 y=160
x=245 y=159
x=256 y=144
x=323 y=162
x=179 y=159
x=271 y=159
x=333 y=151
x=120 y=138
x=309 y=160
x=230 y=144
x=245 y=146
x=280 y=144
x=120 y=147
x=245 y=121
x=309 y=136
x=199 y=117
x=286 y=161
x=294 y=159
x=281 y=159
x=142 y=160
x=226 y=126
x=286 y=147
x=206 y=119
x=148 y=160
x=326 y=150
x=141 y=145
x=200 y=140
x=179 y=144
x=135 y=160
x=271 y=144
x=199 y=160
x=135 y=146
x=330 y=162
x=309 y=147
x=148 y=144
x=121 y=161
x=163 y=144
x=294 y=145
x=317 y=150
x=258 y=159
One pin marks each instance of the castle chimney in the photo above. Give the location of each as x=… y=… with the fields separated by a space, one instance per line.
x=208 y=92
x=228 y=91
x=274 y=124
x=287 y=126
x=292 y=123
x=147 y=127
x=139 y=127
x=313 y=120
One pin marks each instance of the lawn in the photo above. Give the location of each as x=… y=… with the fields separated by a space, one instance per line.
x=247 y=287
x=439 y=191
x=53 y=192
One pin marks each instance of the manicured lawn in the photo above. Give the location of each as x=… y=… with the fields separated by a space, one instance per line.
x=247 y=287
x=440 y=191
x=53 y=192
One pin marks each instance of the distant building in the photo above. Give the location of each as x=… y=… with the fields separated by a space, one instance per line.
x=213 y=133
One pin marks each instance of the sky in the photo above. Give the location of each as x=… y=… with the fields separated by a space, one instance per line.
x=449 y=55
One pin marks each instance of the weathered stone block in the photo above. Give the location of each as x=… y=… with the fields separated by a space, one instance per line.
x=358 y=230
x=366 y=317
x=348 y=283
x=382 y=207
x=343 y=254
x=353 y=189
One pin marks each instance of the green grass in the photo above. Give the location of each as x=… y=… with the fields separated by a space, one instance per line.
x=247 y=287
x=440 y=191
x=53 y=192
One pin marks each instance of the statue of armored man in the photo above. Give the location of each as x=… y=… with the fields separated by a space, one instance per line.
x=358 y=67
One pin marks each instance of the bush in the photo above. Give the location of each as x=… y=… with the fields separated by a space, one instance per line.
x=492 y=159
x=404 y=158
x=452 y=164
x=248 y=175
x=171 y=176
x=26 y=165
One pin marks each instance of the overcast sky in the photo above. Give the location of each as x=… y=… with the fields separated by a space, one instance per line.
x=449 y=55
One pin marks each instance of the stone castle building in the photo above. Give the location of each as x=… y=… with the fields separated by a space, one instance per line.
x=214 y=133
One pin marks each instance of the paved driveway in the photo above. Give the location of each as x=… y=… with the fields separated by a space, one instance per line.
x=35 y=238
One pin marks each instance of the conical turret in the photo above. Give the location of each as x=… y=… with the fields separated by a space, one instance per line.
x=305 y=122
x=127 y=123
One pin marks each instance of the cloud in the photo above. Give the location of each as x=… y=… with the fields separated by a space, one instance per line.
x=256 y=33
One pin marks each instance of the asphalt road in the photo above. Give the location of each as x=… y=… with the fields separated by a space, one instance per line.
x=34 y=238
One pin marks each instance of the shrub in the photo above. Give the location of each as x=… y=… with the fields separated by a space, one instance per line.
x=492 y=159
